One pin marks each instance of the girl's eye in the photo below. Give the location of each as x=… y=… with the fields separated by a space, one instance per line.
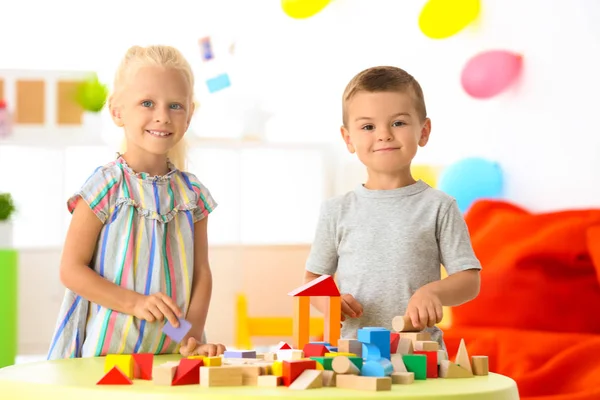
x=147 y=103
x=398 y=123
x=368 y=128
x=176 y=106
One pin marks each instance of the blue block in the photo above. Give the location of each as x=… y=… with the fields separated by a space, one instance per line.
x=240 y=354
x=377 y=336
x=326 y=344
x=371 y=352
x=332 y=349
x=217 y=83
x=381 y=368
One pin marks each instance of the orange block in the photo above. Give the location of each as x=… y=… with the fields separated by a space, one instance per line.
x=333 y=319
x=301 y=321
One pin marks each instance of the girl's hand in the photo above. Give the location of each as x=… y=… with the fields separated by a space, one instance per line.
x=194 y=348
x=157 y=307
x=424 y=309
x=351 y=307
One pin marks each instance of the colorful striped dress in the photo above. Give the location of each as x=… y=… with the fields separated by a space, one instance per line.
x=146 y=245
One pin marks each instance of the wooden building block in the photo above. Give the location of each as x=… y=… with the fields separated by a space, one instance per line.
x=277 y=368
x=308 y=379
x=188 y=372
x=268 y=381
x=293 y=369
x=405 y=346
x=450 y=370
x=352 y=346
x=329 y=378
x=240 y=354
x=416 y=336
x=333 y=318
x=220 y=376
x=314 y=350
x=213 y=361
x=250 y=374
x=326 y=362
x=432 y=363
x=290 y=354
x=480 y=365
x=283 y=346
x=30 y=107
x=380 y=368
x=142 y=366
x=270 y=356
x=68 y=112
x=442 y=355
x=416 y=363
x=398 y=363
x=343 y=365
x=123 y=361
x=115 y=377
x=403 y=323
x=301 y=322
x=338 y=354
x=462 y=357
x=394 y=341
x=426 y=345
x=368 y=383
x=163 y=374
x=403 y=378
x=374 y=336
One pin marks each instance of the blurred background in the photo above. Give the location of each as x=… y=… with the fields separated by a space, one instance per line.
x=511 y=87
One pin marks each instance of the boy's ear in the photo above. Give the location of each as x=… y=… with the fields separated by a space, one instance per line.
x=346 y=137
x=425 y=132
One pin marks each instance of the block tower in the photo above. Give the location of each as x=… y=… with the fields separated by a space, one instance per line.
x=323 y=286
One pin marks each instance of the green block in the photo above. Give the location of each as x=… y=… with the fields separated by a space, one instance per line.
x=325 y=362
x=358 y=361
x=8 y=307
x=416 y=363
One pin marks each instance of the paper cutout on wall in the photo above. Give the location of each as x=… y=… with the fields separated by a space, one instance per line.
x=206 y=50
x=68 y=112
x=2 y=90
x=218 y=83
x=489 y=73
x=427 y=173
x=30 y=102
x=440 y=19
x=301 y=9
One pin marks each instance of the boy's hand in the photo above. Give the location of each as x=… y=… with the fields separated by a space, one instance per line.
x=351 y=307
x=157 y=307
x=194 y=348
x=424 y=309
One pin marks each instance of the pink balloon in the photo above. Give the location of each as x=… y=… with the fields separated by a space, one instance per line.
x=489 y=73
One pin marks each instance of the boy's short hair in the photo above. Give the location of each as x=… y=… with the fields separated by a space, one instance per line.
x=385 y=79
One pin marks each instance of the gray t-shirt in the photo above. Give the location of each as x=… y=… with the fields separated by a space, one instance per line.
x=386 y=244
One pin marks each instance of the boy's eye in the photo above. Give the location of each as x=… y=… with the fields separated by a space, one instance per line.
x=368 y=127
x=176 y=106
x=398 y=123
x=146 y=103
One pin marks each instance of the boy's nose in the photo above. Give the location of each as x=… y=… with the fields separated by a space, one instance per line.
x=384 y=136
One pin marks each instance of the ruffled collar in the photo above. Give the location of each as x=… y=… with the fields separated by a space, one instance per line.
x=144 y=175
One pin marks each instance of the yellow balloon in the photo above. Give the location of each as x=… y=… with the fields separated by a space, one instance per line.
x=300 y=9
x=426 y=173
x=440 y=19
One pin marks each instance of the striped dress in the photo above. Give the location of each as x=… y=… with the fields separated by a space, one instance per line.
x=146 y=245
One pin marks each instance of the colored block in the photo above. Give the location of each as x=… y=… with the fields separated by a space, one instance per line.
x=212 y=361
x=326 y=344
x=416 y=363
x=301 y=322
x=177 y=334
x=322 y=286
x=380 y=368
x=188 y=372
x=142 y=366
x=277 y=368
x=293 y=369
x=331 y=349
x=358 y=361
x=325 y=362
x=340 y=354
x=314 y=350
x=114 y=377
x=371 y=352
x=123 y=361
x=432 y=362
x=240 y=354
x=394 y=341
x=218 y=83
x=380 y=337
x=332 y=318
x=9 y=271
x=283 y=346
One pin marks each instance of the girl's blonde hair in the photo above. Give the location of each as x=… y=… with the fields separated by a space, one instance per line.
x=157 y=55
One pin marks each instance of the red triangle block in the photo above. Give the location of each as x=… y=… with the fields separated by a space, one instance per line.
x=322 y=286
x=188 y=372
x=142 y=366
x=284 y=346
x=394 y=341
x=115 y=377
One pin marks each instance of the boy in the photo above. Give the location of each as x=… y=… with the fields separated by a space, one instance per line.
x=387 y=238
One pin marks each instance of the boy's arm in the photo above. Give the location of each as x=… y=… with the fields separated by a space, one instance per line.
x=459 y=260
x=201 y=284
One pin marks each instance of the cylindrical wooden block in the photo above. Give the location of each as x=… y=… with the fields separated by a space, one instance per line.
x=403 y=378
x=402 y=323
x=343 y=366
x=480 y=365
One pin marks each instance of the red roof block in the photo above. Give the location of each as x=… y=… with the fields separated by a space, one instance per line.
x=115 y=377
x=322 y=286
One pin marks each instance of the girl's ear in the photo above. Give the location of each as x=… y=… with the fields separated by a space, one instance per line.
x=115 y=113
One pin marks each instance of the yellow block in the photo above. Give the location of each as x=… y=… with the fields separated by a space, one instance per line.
x=197 y=357
x=319 y=366
x=213 y=361
x=340 y=354
x=123 y=361
x=277 y=368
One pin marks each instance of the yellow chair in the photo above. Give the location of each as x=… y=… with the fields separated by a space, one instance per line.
x=248 y=327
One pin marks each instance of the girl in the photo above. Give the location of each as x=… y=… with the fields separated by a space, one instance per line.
x=136 y=249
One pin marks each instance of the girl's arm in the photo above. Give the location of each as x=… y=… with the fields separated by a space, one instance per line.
x=201 y=284
x=75 y=273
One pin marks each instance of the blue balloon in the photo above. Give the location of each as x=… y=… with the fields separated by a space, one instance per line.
x=472 y=179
